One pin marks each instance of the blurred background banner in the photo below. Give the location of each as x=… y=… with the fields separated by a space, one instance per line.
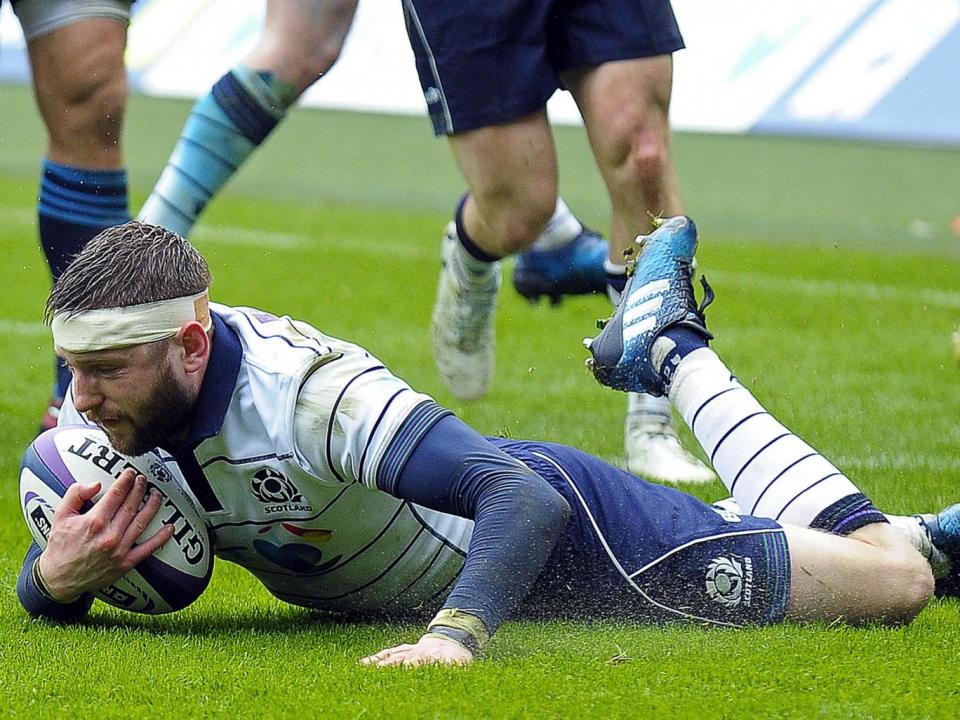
x=867 y=69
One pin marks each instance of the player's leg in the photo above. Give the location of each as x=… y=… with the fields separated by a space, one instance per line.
x=625 y=107
x=651 y=552
x=511 y=207
x=300 y=42
x=659 y=340
x=646 y=551
x=511 y=171
x=76 y=58
x=487 y=93
x=872 y=574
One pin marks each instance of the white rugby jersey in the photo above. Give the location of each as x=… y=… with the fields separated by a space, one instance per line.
x=290 y=433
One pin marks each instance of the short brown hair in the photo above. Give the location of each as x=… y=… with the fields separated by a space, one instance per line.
x=129 y=264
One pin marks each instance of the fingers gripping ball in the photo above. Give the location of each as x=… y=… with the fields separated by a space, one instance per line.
x=170 y=579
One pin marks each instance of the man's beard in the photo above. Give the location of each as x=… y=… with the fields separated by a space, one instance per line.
x=161 y=419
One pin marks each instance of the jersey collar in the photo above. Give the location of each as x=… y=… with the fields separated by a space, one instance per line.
x=218 y=384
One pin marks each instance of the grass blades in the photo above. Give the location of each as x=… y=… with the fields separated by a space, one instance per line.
x=828 y=309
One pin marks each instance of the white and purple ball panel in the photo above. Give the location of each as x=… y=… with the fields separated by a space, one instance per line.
x=177 y=573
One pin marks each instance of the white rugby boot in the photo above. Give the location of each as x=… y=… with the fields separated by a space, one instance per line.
x=461 y=327
x=653 y=448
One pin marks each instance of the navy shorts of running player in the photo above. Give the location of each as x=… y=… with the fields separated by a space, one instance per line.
x=482 y=63
x=634 y=550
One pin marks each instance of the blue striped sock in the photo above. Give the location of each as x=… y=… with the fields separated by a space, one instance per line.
x=224 y=128
x=76 y=204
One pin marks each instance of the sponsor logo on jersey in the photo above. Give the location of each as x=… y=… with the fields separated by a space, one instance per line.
x=729 y=581
x=275 y=490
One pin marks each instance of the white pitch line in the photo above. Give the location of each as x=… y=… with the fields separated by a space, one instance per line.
x=251 y=238
x=19 y=215
x=898 y=461
x=265 y=239
x=24 y=328
x=853 y=289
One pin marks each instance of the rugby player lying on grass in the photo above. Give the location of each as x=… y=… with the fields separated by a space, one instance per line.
x=416 y=508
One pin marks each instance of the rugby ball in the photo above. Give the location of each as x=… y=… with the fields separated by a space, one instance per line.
x=176 y=574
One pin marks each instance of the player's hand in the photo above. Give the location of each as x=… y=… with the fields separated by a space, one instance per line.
x=88 y=551
x=428 y=650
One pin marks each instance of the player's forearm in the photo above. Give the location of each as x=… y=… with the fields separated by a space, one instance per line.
x=38 y=602
x=517 y=518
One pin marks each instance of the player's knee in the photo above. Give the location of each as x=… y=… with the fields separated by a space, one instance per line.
x=518 y=224
x=93 y=112
x=305 y=43
x=319 y=61
x=649 y=158
x=910 y=585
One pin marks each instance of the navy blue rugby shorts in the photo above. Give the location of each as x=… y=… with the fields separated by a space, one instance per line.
x=482 y=63
x=635 y=550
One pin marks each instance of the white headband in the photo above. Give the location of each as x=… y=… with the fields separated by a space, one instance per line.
x=122 y=327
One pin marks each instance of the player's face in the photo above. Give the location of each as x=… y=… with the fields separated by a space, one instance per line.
x=134 y=394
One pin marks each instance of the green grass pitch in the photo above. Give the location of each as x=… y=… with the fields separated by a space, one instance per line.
x=828 y=309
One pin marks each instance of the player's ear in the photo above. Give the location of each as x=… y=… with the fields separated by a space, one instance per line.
x=196 y=346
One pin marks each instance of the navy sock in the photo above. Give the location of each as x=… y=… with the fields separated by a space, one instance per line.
x=683 y=340
x=616 y=282
x=256 y=114
x=468 y=244
x=848 y=514
x=75 y=205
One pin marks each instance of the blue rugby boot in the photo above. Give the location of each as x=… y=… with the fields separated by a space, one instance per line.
x=943 y=530
x=572 y=269
x=658 y=294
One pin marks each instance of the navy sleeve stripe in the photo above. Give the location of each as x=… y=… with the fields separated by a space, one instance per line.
x=333 y=414
x=806 y=489
x=209 y=153
x=183 y=174
x=173 y=208
x=37 y=604
x=373 y=431
x=323 y=349
x=418 y=423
